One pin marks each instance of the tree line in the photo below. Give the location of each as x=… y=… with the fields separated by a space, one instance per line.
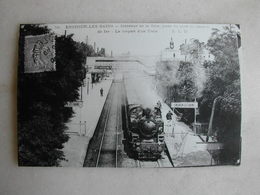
x=218 y=78
x=42 y=97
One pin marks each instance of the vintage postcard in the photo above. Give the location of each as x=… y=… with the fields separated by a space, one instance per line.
x=131 y=95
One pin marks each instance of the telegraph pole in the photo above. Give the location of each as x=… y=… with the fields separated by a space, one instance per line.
x=195 y=116
x=211 y=117
x=88 y=87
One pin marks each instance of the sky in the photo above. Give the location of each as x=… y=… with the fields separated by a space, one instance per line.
x=140 y=39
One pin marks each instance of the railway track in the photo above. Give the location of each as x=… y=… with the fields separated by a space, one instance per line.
x=102 y=138
x=165 y=161
x=103 y=150
x=118 y=113
x=148 y=164
x=108 y=154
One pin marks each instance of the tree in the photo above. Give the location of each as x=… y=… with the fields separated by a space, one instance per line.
x=183 y=80
x=102 y=52
x=166 y=72
x=224 y=81
x=41 y=99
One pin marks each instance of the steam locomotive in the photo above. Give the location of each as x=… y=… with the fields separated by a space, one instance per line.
x=145 y=133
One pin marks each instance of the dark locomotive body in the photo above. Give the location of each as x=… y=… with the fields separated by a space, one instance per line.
x=145 y=134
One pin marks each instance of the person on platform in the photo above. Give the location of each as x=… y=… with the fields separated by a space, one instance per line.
x=159 y=104
x=157 y=112
x=169 y=115
x=170 y=123
x=101 y=92
x=173 y=127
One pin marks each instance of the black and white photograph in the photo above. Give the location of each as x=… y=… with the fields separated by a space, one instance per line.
x=129 y=95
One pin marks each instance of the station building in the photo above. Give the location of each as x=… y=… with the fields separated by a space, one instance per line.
x=191 y=51
x=99 y=67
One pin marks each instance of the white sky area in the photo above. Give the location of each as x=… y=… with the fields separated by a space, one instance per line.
x=124 y=37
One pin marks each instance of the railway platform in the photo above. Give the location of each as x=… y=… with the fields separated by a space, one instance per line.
x=183 y=144
x=82 y=125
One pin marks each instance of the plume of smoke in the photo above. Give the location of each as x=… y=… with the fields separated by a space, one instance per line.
x=200 y=78
x=194 y=50
x=167 y=70
x=170 y=75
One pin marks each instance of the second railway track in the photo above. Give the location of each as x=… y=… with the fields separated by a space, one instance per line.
x=103 y=147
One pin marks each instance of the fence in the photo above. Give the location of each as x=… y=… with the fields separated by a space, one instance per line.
x=200 y=128
x=77 y=128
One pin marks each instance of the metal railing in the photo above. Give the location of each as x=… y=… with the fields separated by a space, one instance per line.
x=77 y=128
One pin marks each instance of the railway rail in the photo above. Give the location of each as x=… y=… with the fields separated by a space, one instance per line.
x=103 y=149
x=148 y=164
x=103 y=135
